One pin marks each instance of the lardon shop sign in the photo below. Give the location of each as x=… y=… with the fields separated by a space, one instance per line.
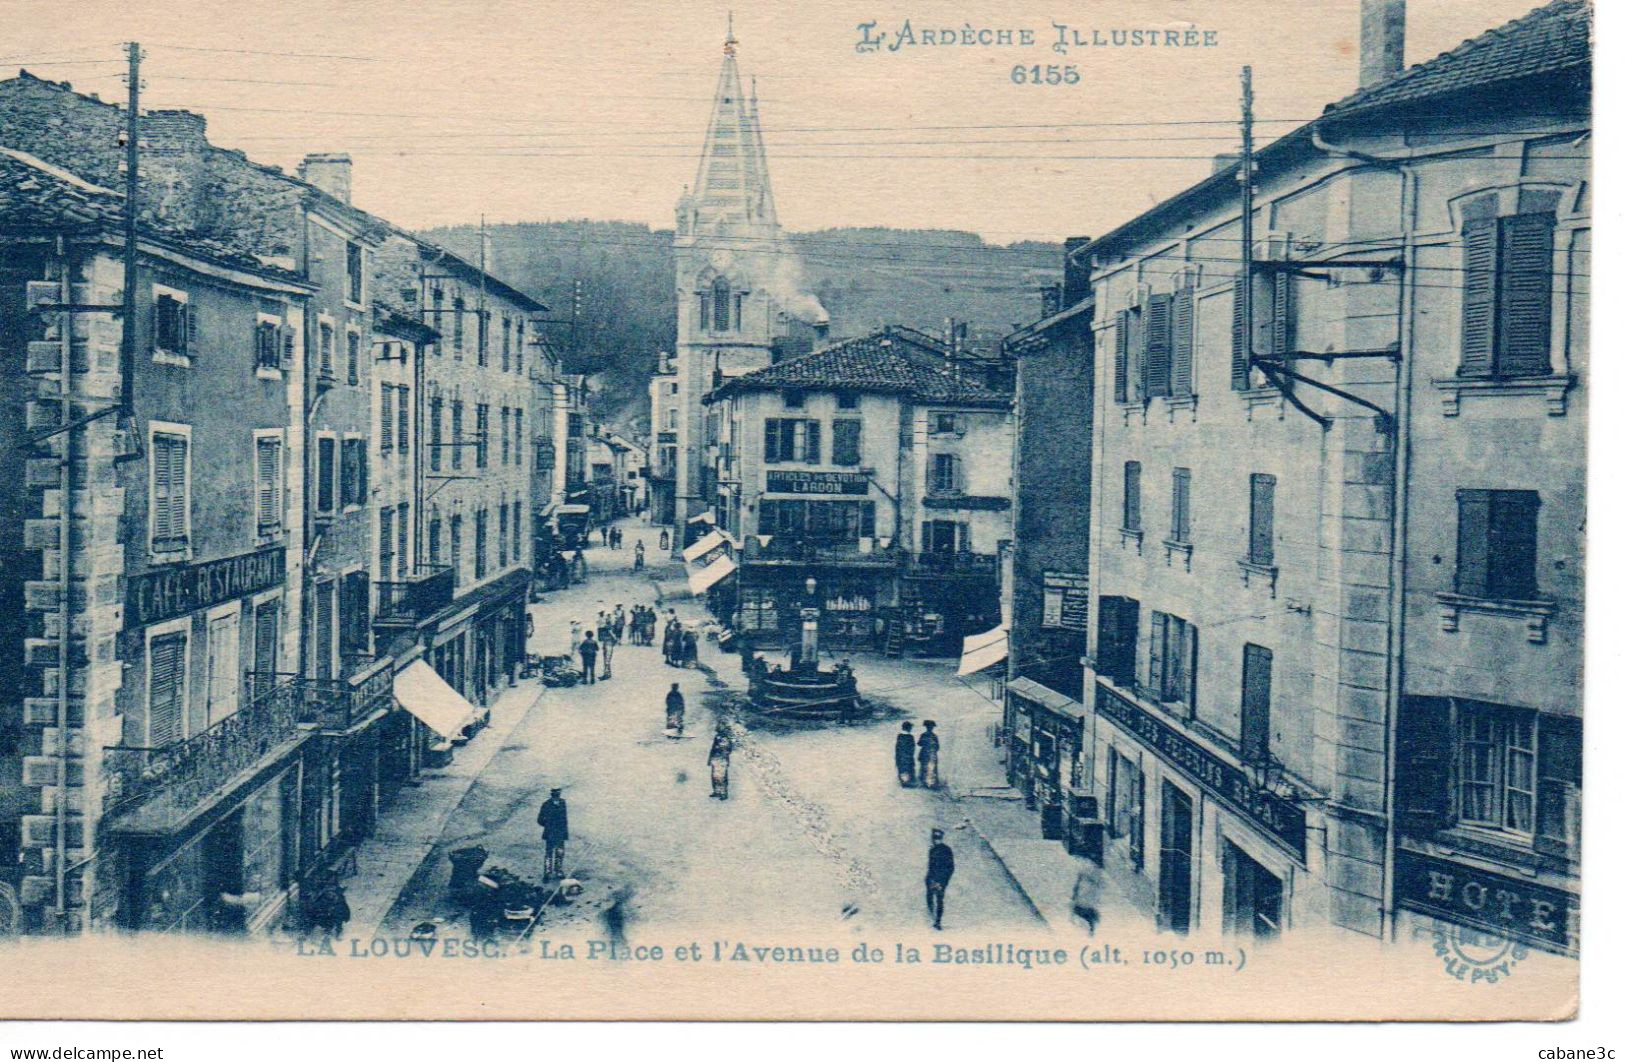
x=169 y=592
x=1279 y=818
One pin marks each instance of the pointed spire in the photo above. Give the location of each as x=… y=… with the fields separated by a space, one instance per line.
x=731 y=187
x=730 y=45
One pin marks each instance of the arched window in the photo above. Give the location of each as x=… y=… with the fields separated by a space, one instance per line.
x=721 y=305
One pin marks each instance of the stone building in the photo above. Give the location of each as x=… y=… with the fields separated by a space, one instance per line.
x=899 y=517
x=736 y=276
x=663 y=414
x=1335 y=589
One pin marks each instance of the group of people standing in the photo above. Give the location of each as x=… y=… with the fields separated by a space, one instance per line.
x=641 y=625
x=613 y=536
x=680 y=644
x=917 y=759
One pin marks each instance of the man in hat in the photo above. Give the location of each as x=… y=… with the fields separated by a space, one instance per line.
x=554 y=819
x=930 y=745
x=674 y=712
x=589 y=658
x=939 y=868
x=722 y=748
x=904 y=755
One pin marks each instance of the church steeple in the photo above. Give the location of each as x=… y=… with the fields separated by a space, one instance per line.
x=732 y=193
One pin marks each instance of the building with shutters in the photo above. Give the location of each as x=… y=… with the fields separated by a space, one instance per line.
x=1335 y=575
x=878 y=466
x=664 y=410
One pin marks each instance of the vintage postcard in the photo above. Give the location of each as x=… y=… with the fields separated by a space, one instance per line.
x=1021 y=510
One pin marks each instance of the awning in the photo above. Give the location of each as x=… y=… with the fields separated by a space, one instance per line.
x=574 y=510
x=702 y=579
x=714 y=540
x=707 y=517
x=1028 y=690
x=982 y=651
x=429 y=697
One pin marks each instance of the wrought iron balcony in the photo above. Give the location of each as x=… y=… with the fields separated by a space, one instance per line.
x=954 y=563
x=154 y=790
x=428 y=590
x=782 y=549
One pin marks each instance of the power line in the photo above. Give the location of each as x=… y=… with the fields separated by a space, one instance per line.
x=285 y=55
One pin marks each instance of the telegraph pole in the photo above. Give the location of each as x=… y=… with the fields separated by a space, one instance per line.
x=132 y=191
x=1245 y=290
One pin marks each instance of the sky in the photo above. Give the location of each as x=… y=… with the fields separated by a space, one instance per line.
x=534 y=110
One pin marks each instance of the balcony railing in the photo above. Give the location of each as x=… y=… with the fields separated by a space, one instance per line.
x=783 y=549
x=153 y=790
x=428 y=590
x=954 y=563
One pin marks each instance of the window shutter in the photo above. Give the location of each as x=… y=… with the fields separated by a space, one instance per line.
x=1514 y=519
x=1240 y=352
x=1524 y=328
x=268 y=495
x=403 y=401
x=1159 y=639
x=1256 y=663
x=1478 y=298
x=1188 y=660
x=1425 y=746
x=190 y=335
x=386 y=416
x=1120 y=366
x=812 y=457
x=770 y=440
x=265 y=649
x=1131 y=496
x=361 y=470
x=1472 y=542
x=1261 y=543
x=1183 y=343
x=1158 y=322
x=1281 y=316
x=290 y=336
x=165 y=722
x=1557 y=817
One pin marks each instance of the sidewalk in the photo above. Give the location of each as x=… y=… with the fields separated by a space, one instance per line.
x=409 y=827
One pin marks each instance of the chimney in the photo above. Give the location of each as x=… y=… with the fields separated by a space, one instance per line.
x=1076 y=268
x=173 y=162
x=1224 y=160
x=1382 y=40
x=329 y=171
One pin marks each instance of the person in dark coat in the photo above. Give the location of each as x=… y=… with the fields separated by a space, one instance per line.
x=637 y=556
x=665 y=539
x=554 y=819
x=904 y=755
x=674 y=712
x=939 y=869
x=722 y=750
x=329 y=910
x=589 y=658
x=691 y=650
x=930 y=747
x=673 y=643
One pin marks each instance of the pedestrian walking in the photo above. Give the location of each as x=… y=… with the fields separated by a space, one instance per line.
x=672 y=645
x=637 y=556
x=930 y=747
x=578 y=565
x=620 y=623
x=675 y=707
x=939 y=869
x=554 y=819
x=722 y=750
x=1086 y=895
x=575 y=636
x=589 y=658
x=691 y=649
x=904 y=756
x=606 y=646
x=665 y=539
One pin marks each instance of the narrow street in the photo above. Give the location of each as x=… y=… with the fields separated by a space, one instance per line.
x=817 y=832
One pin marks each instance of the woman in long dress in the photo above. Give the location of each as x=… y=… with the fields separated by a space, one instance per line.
x=722 y=748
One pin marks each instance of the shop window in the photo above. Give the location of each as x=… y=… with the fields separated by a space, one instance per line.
x=1252 y=896
x=1496 y=544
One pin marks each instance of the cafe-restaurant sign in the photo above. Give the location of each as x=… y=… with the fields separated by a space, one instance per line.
x=165 y=593
x=1276 y=817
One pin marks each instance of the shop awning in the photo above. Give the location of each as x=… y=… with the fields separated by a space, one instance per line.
x=574 y=510
x=429 y=697
x=1041 y=695
x=714 y=540
x=707 y=517
x=702 y=579
x=982 y=651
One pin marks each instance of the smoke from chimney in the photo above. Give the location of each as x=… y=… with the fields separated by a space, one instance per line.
x=789 y=290
x=1382 y=40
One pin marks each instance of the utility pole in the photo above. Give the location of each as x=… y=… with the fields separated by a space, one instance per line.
x=1245 y=290
x=575 y=325
x=132 y=192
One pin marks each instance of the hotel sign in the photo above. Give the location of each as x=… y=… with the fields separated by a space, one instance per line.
x=169 y=592
x=1280 y=819
x=818 y=483
x=1521 y=910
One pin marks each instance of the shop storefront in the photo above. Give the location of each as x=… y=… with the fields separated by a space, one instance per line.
x=1200 y=842
x=850 y=604
x=1047 y=763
